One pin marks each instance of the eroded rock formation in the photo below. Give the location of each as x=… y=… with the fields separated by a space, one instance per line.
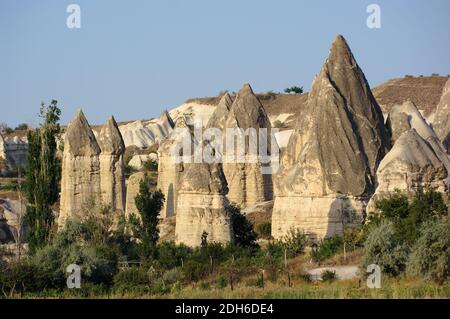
x=441 y=122
x=417 y=158
x=112 y=170
x=412 y=162
x=202 y=205
x=169 y=169
x=328 y=171
x=92 y=170
x=247 y=183
x=132 y=191
x=80 y=180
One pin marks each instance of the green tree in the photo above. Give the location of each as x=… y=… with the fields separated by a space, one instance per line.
x=244 y=234
x=383 y=249
x=430 y=256
x=294 y=89
x=145 y=227
x=406 y=217
x=43 y=175
x=21 y=127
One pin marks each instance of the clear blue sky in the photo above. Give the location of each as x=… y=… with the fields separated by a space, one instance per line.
x=135 y=58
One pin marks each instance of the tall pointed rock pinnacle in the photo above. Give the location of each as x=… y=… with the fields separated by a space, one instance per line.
x=330 y=166
x=219 y=116
x=79 y=138
x=110 y=139
x=80 y=180
x=247 y=184
x=112 y=168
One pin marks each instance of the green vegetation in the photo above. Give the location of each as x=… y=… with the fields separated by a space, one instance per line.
x=21 y=127
x=150 y=165
x=294 y=89
x=327 y=248
x=42 y=177
x=264 y=230
x=410 y=237
x=145 y=227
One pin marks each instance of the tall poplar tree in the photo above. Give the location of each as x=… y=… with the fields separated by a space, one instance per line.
x=43 y=176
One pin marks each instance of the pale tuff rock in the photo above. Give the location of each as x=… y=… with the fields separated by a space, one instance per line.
x=145 y=134
x=417 y=158
x=246 y=182
x=405 y=117
x=11 y=213
x=328 y=170
x=133 y=184
x=112 y=170
x=441 y=121
x=137 y=161
x=218 y=118
x=13 y=151
x=80 y=181
x=169 y=170
x=412 y=162
x=202 y=206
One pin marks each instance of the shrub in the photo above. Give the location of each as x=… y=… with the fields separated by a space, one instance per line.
x=278 y=124
x=383 y=249
x=328 y=275
x=353 y=238
x=205 y=285
x=275 y=249
x=173 y=276
x=194 y=270
x=327 y=248
x=170 y=255
x=294 y=242
x=150 y=165
x=222 y=282
x=132 y=280
x=255 y=282
x=406 y=217
x=430 y=256
x=264 y=230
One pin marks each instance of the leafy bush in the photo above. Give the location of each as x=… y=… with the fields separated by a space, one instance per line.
x=353 y=238
x=150 y=165
x=194 y=270
x=408 y=217
x=264 y=230
x=132 y=280
x=173 y=276
x=383 y=249
x=294 y=242
x=205 y=285
x=328 y=275
x=430 y=256
x=222 y=282
x=327 y=248
x=170 y=255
